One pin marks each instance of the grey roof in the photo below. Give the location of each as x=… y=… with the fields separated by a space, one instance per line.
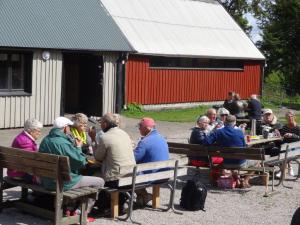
x=59 y=24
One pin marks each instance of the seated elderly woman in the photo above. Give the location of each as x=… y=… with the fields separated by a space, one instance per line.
x=79 y=132
x=26 y=140
x=290 y=133
x=198 y=135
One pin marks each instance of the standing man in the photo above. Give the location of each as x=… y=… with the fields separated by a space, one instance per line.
x=57 y=142
x=254 y=108
x=151 y=148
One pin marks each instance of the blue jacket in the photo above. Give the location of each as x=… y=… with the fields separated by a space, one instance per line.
x=151 y=148
x=227 y=137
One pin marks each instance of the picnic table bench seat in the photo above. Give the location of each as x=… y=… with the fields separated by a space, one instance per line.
x=134 y=177
x=43 y=165
x=194 y=150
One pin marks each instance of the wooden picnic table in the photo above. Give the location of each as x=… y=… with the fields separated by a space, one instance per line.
x=262 y=140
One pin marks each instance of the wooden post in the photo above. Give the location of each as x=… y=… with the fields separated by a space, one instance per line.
x=59 y=197
x=83 y=208
x=114 y=204
x=1 y=189
x=155 y=197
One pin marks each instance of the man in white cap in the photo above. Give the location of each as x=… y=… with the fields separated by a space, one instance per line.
x=58 y=143
x=270 y=120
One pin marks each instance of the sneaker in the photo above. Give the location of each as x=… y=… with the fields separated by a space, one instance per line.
x=291 y=171
x=278 y=174
x=90 y=219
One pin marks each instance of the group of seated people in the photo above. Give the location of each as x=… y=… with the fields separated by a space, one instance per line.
x=219 y=128
x=112 y=147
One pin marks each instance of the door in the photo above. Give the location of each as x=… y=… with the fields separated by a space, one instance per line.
x=83 y=75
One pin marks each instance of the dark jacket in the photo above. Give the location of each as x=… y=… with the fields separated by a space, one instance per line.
x=197 y=136
x=254 y=109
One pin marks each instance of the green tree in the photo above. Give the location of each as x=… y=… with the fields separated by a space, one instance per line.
x=238 y=9
x=280 y=24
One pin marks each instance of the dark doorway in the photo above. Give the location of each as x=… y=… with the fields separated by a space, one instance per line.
x=82 y=83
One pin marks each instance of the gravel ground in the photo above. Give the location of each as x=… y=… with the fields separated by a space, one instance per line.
x=226 y=207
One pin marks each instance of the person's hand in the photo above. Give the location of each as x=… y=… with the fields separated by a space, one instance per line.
x=288 y=135
x=78 y=143
x=92 y=133
x=243 y=126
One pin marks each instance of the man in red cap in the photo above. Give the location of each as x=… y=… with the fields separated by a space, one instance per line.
x=151 y=148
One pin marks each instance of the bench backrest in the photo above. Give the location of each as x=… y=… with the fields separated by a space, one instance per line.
x=290 y=149
x=39 y=164
x=210 y=151
x=158 y=171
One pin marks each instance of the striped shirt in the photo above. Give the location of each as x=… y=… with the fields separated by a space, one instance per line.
x=293 y=130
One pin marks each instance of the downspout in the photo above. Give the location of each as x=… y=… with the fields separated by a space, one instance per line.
x=120 y=84
x=262 y=75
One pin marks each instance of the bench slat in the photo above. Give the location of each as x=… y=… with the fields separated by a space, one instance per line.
x=152 y=177
x=123 y=170
x=50 y=158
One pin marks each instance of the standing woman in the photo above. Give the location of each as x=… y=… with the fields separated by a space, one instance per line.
x=26 y=140
x=291 y=133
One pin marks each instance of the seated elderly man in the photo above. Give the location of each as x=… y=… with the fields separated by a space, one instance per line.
x=26 y=140
x=270 y=120
x=58 y=142
x=151 y=148
x=212 y=116
x=230 y=137
x=198 y=135
x=113 y=150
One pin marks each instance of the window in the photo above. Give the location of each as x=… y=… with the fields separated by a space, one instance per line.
x=15 y=73
x=196 y=63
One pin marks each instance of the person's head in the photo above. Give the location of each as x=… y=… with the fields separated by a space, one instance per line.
x=223 y=113
x=211 y=114
x=202 y=122
x=268 y=116
x=109 y=120
x=253 y=96
x=291 y=117
x=146 y=125
x=237 y=97
x=33 y=127
x=230 y=95
x=63 y=124
x=80 y=121
x=230 y=120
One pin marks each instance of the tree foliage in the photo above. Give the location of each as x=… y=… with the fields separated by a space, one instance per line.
x=238 y=9
x=281 y=40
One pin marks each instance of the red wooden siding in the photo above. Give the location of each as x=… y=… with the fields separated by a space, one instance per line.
x=146 y=86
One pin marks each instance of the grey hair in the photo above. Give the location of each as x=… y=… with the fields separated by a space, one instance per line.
x=32 y=124
x=202 y=118
x=111 y=119
x=79 y=118
x=230 y=120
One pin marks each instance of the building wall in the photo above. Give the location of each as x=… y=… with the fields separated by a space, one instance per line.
x=148 y=86
x=109 y=82
x=44 y=102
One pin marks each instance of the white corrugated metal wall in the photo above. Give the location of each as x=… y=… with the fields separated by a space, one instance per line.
x=109 y=82
x=44 y=103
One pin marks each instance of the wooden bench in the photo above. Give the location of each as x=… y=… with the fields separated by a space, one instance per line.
x=289 y=152
x=132 y=178
x=43 y=165
x=194 y=150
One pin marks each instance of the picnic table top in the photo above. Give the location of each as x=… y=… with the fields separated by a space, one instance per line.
x=262 y=140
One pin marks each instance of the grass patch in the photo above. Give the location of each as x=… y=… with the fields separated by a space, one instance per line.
x=172 y=115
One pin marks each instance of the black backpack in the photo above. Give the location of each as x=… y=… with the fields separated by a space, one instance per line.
x=193 y=196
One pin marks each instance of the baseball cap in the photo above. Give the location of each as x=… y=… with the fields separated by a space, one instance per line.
x=223 y=111
x=61 y=122
x=147 y=122
x=268 y=111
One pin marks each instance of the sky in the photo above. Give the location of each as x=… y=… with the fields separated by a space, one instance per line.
x=255 y=34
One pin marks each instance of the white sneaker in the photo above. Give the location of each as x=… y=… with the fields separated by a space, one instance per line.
x=291 y=171
x=278 y=174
